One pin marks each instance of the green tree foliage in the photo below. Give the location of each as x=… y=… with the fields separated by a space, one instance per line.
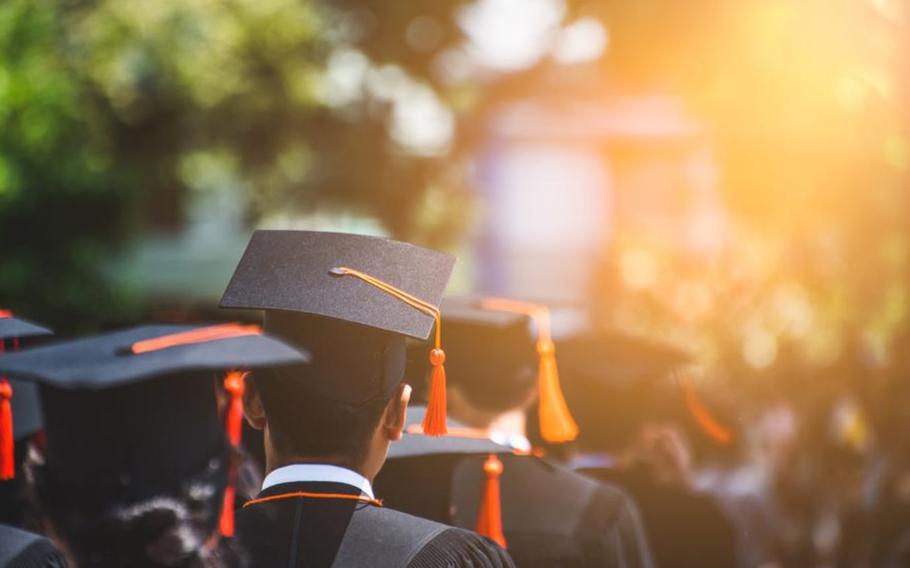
x=109 y=111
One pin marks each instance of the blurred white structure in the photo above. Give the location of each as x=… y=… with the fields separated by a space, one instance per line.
x=570 y=166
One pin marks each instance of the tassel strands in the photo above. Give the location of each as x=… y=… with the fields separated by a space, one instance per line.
x=489 y=516
x=7 y=442
x=708 y=424
x=7 y=435
x=233 y=422
x=556 y=423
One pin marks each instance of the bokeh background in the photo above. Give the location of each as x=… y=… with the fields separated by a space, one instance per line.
x=727 y=177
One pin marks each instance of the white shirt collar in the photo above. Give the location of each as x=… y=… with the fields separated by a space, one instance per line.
x=318 y=472
x=514 y=441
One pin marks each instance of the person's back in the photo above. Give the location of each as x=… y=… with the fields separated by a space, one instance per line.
x=136 y=462
x=630 y=409
x=327 y=427
x=684 y=527
x=348 y=532
x=550 y=515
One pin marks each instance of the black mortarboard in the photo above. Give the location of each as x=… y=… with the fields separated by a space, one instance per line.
x=12 y=327
x=616 y=358
x=130 y=412
x=348 y=299
x=616 y=381
x=490 y=352
x=20 y=412
x=21 y=549
x=493 y=351
x=458 y=441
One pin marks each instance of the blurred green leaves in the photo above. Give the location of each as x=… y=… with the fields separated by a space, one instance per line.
x=113 y=112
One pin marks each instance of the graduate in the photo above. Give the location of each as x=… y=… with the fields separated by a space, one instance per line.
x=431 y=459
x=350 y=301
x=633 y=410
x=20 y=422
x=138 y=465
x=498 y=366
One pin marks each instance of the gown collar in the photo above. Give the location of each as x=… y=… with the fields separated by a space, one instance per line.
x=311 y=472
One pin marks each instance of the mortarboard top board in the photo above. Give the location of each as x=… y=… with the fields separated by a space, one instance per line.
x=295 y=271
x=12 y=327
x=615 y=358
x=348 y=299
x=106 y=361
x=129 y=412
x=458 y=441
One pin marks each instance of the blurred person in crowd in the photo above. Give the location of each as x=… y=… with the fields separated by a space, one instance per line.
x=24 y=413
x=497 y=369
x=631 y=413
x=137 y=463
x=350 y=300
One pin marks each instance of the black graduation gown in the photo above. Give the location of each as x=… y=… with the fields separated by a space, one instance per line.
x=319 y=533
x=684 y=528
x=21 y=549
x=552 y=517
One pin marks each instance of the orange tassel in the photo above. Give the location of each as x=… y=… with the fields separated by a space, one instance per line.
x=226 y=523
x=233 y=422
x=556 y=422
x=709 y=425
x=434 y=422
x=489 y=517
x=234 y=385
x=7 y=442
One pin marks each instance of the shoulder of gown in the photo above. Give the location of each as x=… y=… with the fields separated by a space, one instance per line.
x=27 y=550
x=613 y=516
x=461 y=548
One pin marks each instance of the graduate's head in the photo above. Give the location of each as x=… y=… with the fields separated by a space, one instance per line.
x=345 y=407
x=491 y=360
x=350 y=300
x=136 y=460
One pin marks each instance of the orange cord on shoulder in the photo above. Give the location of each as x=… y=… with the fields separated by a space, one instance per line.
x=308 y=495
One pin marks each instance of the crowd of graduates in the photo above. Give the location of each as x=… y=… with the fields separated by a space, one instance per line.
x=367 y=421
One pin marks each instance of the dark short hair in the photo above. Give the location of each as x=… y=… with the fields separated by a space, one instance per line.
x=305 y=423
x=496 y=369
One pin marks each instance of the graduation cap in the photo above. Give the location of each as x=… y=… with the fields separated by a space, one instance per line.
x=491 y=339
x=459 y=441
x=615 y=361
x=350 y=300
x=130 y=412
x=20 y=412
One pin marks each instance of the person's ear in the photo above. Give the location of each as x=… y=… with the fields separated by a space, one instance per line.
x=252 y=405
x=396 y=413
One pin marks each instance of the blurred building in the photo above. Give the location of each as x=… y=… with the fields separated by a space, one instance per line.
x=569 y=165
